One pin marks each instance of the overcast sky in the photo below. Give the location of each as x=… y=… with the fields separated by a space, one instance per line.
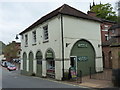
x=17 y=15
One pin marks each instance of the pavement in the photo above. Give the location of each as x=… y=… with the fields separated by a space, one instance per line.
x=92 y=83
x=86 y=82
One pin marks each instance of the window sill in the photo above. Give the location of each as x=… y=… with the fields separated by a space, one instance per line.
x=26 y=45
x=45 y=41
x=34 y=44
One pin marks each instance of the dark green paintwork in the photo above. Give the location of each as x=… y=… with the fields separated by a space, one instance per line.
x=39 y=64
x=24 y=61
x=87 y=52
x=31 y=62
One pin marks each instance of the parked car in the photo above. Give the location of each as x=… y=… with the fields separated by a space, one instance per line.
x=4 y=63
x=16 y=60
x=11 y=67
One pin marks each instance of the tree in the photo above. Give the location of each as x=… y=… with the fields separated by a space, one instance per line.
x=11 y=51
x=118 y=9
x=104 y=11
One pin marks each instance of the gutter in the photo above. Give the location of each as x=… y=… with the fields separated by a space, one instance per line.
x=62 y=47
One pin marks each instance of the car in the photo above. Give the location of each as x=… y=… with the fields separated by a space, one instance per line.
x=11 y=67
x=4 y=63
x=16 y=60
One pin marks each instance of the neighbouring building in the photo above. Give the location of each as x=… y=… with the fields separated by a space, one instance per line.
x=2 y=46
x=106 y=50
x=12 y=50
x=63 y=38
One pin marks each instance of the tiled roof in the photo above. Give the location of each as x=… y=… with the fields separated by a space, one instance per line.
x=65 y=10
x=114 y=26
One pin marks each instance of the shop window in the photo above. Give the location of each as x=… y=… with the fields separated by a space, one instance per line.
x=50 y=62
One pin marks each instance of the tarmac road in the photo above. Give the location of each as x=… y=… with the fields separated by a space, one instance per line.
x=13 y=79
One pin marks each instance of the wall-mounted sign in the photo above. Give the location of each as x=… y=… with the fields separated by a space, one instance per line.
x=49 y=55
x=82 y=58
x=82 y=45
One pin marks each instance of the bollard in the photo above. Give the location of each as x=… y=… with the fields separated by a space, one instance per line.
x=90 y=72
x=80 y=76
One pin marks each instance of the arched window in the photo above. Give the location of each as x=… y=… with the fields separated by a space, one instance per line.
x=24 y=60
x=39 y=57
x=31 y=57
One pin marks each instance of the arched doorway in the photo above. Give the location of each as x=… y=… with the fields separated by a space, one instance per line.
x=50 y=63
x=24 y=60
x=110 y=60
x=39 y=63
x=83 y=57
x=31 y=62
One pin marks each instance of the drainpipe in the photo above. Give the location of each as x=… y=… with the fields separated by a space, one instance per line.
x=62 y=47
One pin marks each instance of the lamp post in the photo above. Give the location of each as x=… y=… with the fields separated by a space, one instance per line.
x=16 y=37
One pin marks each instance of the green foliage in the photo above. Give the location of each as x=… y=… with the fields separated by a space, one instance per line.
x=104 y=11
x=10 y=51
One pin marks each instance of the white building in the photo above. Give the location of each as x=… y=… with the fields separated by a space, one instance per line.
x=64 y=36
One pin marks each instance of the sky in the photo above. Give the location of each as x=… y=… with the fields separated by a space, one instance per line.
x=17 y=15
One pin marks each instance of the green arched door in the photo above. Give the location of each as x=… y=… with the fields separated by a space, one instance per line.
x=24 y=61
x=39 y=63
x=85 y=56
x=31 y=62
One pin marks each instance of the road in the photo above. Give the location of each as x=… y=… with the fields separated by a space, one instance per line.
x=13 y=79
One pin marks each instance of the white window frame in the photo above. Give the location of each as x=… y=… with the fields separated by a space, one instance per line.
x=45 y=33
x=34 y=39
x=106 y=35
x=26 y=40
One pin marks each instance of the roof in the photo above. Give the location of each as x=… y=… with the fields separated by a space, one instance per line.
x=109 y=42
x=65 y=10
x=114 y=26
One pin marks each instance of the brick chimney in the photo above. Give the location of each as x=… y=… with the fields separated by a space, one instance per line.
x=90 y=13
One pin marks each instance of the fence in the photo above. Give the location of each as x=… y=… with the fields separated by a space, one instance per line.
x=106 y=74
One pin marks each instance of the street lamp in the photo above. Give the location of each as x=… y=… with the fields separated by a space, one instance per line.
x=16 y=37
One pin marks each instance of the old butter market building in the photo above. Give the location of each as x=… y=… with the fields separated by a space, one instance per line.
x=63 y=38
